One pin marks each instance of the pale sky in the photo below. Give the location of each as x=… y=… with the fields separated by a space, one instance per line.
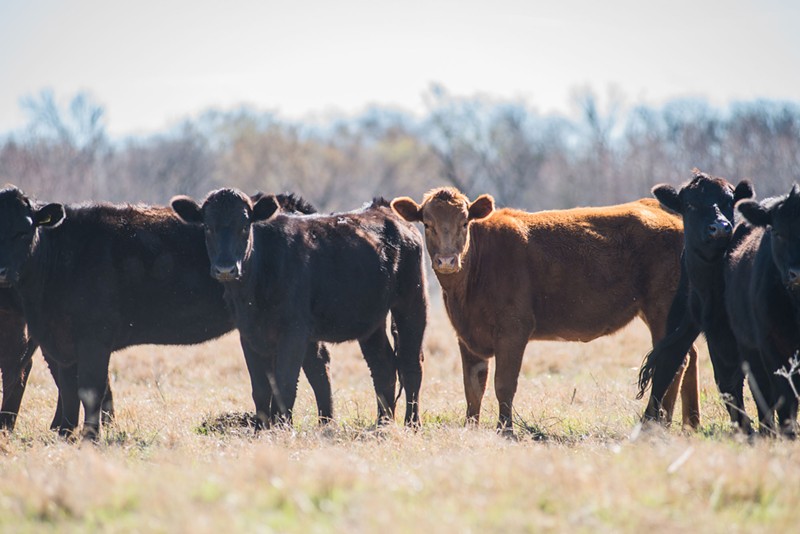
x=150 y=63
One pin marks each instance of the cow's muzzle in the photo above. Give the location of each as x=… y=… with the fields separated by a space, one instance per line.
x=447 y=264
x=226 y=273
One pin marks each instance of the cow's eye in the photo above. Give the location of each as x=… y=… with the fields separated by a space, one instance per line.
x=466 y=224
x=244 y=230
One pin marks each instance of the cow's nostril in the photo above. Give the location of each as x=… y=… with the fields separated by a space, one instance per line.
x=794 y=275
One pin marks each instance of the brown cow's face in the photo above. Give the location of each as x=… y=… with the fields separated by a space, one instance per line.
x=446 y=214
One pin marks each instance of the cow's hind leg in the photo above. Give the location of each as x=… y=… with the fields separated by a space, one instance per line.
x=92 y=383
x=70 y=405
x=673 y=333
x=316 y=367
x=410 y=325
x=382 y=366
x=107 y=413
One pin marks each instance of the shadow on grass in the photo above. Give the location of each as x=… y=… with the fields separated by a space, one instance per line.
x=235 y=423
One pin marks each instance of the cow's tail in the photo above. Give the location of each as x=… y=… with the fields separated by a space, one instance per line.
x=395 y=336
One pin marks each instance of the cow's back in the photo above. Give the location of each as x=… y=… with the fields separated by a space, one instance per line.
x=581 y=273
x=339 y=273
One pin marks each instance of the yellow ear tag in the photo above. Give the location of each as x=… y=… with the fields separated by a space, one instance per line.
x=45 y=220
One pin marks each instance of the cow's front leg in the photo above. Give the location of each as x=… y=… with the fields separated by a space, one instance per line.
x=476 y=373
x=15 y=378
x=508 y=355
x=292 y=349
x=258 y=362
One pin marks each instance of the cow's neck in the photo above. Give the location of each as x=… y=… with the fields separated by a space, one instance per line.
x=455 y=287
x=35 y=272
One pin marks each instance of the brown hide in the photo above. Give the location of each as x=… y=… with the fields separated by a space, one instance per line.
x=572 y=275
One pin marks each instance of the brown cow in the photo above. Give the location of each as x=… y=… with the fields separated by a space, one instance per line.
x=509 y=276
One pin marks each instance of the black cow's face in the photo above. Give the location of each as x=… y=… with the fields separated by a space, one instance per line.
x=19 y=223
x=783 y=218
x=706 y=204
x=446 y=214
x=227 y=216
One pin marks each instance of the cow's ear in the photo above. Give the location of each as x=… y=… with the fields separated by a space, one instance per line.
x=481 y=208
x=265 y=208
x=406 y=208
x=187 y=209
x=755 y=213
x=49 y=216
x=744 y=189
x=669 y=197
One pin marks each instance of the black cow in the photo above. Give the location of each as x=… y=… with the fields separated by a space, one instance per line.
x=762 y=298
x=97 y=278
x=706 y=204
x=292 y=280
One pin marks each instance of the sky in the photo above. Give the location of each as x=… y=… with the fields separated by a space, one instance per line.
x=153 y=63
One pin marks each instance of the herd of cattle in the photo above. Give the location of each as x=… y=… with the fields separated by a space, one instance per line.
x=84 y=281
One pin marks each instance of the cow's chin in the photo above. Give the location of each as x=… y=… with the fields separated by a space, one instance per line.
x=446 y=269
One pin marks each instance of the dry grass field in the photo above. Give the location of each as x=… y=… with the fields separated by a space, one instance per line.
x=172 y=461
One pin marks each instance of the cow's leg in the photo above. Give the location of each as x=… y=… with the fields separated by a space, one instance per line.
x=508 y=357
x=15 y=378
x=476 y=373
x=53 y=367
x=70 y=402
x=410 y=322
x=664 y=363
x=690 y=391
x=292 y=349
x=670 y=319
x=107 y=414
x=92 y=383
x=728 y=374
x=382 y=366
x=15 y=364
x=763 y=389
x=316 y=367
x=258 y=364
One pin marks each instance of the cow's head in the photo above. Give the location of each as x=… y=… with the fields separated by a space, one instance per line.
x=446 y=214
x=227 y=216
x=706 y=204
x=782 y=216
x=20 y=222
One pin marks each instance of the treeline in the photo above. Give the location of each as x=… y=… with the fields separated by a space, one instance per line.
x=603 y=154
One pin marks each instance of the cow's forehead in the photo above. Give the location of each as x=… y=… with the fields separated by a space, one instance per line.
x=787 y=212
x=445 y=203
x=226 y=204
x=13 y=205
x=708 y=188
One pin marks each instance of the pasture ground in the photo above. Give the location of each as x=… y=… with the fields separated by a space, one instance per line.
x=178 y=460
